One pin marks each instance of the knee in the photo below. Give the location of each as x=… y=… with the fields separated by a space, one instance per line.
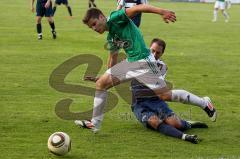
x=50 y=19
x=38 y=19
x=154 y=122
x=100 y=85
x=174 y=121
x=106 y=81
x=164 y=93
x=166 y=96
x=176 y=125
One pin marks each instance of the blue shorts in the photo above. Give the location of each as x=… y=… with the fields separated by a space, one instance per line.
x=145 y=108
x=59 y=2
x=42 y=11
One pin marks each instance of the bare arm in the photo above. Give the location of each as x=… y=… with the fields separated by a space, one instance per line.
x=112 y=59
x=167 y=15
x=32 y=5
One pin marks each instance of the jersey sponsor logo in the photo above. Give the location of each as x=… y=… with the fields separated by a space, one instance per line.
x=116 y=43
x=157 y=84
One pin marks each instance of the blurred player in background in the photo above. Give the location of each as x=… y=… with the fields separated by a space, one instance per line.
x=64 y=2
x=228 y=4
x=91 y=4
x=130 y=3
x=220 y=4
x=43 y=8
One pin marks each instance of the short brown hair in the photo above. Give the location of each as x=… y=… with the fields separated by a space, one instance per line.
x=91 y=13
x=160 y=42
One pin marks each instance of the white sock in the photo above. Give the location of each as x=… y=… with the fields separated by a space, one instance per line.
x=226 y=16
x=188 y=98
x=184 y=136
x=99 y=103
x=215 y=15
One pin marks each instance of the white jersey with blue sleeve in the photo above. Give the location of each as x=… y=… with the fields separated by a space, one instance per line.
x=162 y=67
x=131 y=3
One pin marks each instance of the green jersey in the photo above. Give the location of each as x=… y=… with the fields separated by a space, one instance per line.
x=221 y=0
x=123 y=33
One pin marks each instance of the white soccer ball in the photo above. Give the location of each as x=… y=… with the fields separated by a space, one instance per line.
x=59 y=143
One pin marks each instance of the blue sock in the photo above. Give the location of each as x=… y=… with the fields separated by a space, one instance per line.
x=184 y=125
x=169 y=131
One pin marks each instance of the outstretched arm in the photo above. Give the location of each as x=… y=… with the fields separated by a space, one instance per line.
x=167 y=15
x=112 y=59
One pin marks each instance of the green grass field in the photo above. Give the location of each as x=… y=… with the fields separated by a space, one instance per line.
x=203 y=57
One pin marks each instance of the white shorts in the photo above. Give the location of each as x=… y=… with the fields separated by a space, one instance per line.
x=219 y=5
x=145 y=71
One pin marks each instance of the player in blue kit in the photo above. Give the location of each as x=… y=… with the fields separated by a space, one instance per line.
x=43 y=8
x=64 y=2
x=153 y=112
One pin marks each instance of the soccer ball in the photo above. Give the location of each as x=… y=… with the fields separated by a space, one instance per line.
x=59 y=143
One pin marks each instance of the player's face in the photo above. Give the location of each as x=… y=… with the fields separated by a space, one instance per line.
x=156 y=50
x=98 y=24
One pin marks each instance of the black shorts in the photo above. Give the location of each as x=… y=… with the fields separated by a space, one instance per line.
x=59 y=2
x=42 y=11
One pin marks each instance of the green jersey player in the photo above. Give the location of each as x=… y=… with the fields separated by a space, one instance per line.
x=151 y=111
x=140 y=64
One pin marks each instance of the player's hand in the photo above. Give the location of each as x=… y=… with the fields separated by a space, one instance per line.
x=32 y=9
x=89 y=78
x=168 y=16
x=47 y=5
